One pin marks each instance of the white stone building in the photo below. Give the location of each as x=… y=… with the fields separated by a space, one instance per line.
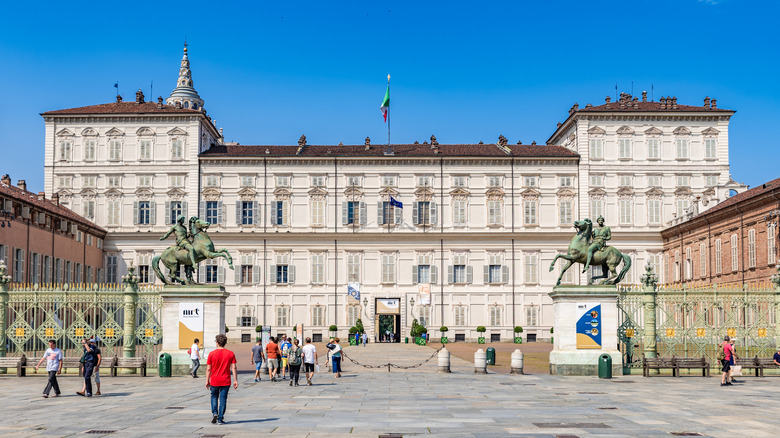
x=480 y=223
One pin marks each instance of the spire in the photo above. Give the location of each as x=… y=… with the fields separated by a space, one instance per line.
x=184 y=94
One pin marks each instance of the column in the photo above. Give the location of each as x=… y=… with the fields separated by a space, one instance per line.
x=131 y=304
x=5 y=279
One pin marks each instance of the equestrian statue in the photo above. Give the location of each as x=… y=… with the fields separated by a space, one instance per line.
x=192 y=247
x=589 y=247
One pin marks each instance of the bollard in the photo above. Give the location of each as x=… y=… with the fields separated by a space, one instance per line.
x=517 y=362
x=480 y=362
x=444 y=360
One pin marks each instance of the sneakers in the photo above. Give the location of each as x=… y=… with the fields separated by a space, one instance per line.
x=257 y=380
x=290 y=384
x=214 y=420
x=308 y=382
x=724 y=384
x=221 y=422
x=734 y=381
x=45 y=395
x=296 y=384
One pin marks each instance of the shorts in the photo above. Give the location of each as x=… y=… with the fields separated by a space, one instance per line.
x=273 y=364
x=308 y=367
x=96 y=375
x=284 y=362
x=258 y=365
x=726 y=366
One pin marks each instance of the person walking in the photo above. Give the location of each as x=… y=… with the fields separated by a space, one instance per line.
x=220 y=364
x=732 y=362
x=335 y=358
x=309 y=360
x=92 y=359
x=195 y=357
x=365 y=339
x=285 y=346
x=776 y=358
x=294 y=361
x=726 y=361
x=257 y=358
x=272 y=354
x=53 y=357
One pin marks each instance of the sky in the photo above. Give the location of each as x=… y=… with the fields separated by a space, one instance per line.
x=463 y=71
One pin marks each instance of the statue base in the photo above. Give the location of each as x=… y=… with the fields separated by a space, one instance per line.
x=189 y=312
x=576 y=350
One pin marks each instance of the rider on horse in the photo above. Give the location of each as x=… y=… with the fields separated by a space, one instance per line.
x=182 y=237
x=600 y=236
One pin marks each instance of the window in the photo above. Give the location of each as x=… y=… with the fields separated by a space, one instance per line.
x=247 y=211
x=625 y=211
x=565 y=181
x=425 y=315
x=177 y=149
x=113 y=212
x=318 y=268
x=318 y=316
x=495 y=272
x=677 y=266
x=495 y=316
x=114 y=181
x=568 y=276
x=353 y=314
x=711 y=180
x=494 y=212
x=247 y=181
x=89 y=149
x=596 y=207
x=718 y=257
x=35 y=268
x=283 y=316
x=65 y=147
x=388 y=268
x=683 y=180
x=88 y=182
x=424 y=271
x=143 y=268
x=459 y=215
x=424 y=213
x=459 y=181
x=752 y=248
x=211 y=180
x=317 y=212
x=596 y=148
x=653 y=148
x=58 y=274
x=702 y=260
x=353 y=267
x=734 y=253
x=654 y=180
x=682 y=207
x=213 y=212
x=283 y=272
x=210 y=272
x=352 y=213
x=529 y=212
x=114 y=150
x=145 y=149
x=282 y=181
x=47 y=274
x=624 y=148
x=771 y=243
x=532 y=316
x=68 y=278
x=318 y=181
x=144 y=180
x=655 y=263
x=388 y=214
x=682 y=149
x=247 y=272
x=280 y=212
x=597 y=180
x=64 y=182
x=175 y=209
x=424 y=181
x=531 y=269
x=530 y=181
x=89 y=239
x=388 y=181
x=654 y=211
x=246 y=317
x=564 y=212
x=688 y=264
x=144 y=215
x=625 y=181
x=89 y=209
x=460 y=315
x=354 y=181
x=710 y=148
x=494 y=181
x=461 y=272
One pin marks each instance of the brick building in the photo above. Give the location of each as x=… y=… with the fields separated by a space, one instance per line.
x=734 y=241
x=42 y=241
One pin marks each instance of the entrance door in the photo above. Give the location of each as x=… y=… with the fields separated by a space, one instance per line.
x=389 y=328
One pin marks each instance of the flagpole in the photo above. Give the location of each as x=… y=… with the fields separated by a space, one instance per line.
x=389 y=151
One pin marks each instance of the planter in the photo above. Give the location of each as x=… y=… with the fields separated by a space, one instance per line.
x=518 y=340
x=481 y=340
x=419 y=341
x=352 y=341
x=444 y=340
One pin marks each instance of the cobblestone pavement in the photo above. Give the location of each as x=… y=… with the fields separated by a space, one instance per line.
x=369 y=402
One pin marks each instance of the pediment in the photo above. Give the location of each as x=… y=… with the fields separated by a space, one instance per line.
x=459 y=191
x=113 y=132
x=597 y=191
x=88 y=193
x=565 y=192
x=655 y=191
x=495 y=191
x=144 y=131
x=113 y=191
x=424 y=191
x=625 y=130
x=682 y=130
x=353 y=192
x=596 y=131
x=710 y=131
x=65 y=132
x=88 y=132
x=176 y=192
x=64 y=192
x=247 y=191
x=709 y=192
x=388 y=191
x=212 y=191
x=530 y=193
x=683 y=191
x=282 y=191
x=144 y=191
x=177 y=131
x=653 y=131
x=317 y=191
x=626 y=191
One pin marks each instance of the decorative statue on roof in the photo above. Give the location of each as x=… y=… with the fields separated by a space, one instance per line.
x=192 y=247
x=589 y=247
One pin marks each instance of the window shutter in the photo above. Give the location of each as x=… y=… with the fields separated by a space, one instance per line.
x=274 y=212
x=399 y=215
x=238 y=274
x=238 y=212
x=414 y=274
x=380 y=217
x=219 y=213
x=291 y=273
x=505 y=274
x=344 y=213
x=286 y=212
x=168 y=213
x=486 y=272
x=363 y=213
x=255 y=274
x=135 y=212
x=469 y=274
x=220 y=275
x=434 y=214
x=202 y=274
x=183 y=209
x=272 y=274
x=415 y=219
x=434 y=274
x=202 y=210
x=255 y=215
x=450 y=275
x=21 y=265
x=152 y=212
x=238 y=321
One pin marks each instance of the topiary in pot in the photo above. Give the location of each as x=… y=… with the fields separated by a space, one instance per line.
x=259 y=328
x=333 y=328
x=481 y=338
x=443 y=329
x=518 y=338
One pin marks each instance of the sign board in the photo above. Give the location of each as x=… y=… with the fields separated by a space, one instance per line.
x=190 y=323
x=298 y=333
x=265 y=335
x=390 y=306
x=589 y=326
x=424 y=292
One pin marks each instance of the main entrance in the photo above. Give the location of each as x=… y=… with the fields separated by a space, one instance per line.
x=388 y=320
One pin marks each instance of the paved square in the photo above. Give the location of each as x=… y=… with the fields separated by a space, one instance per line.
x=369 y=402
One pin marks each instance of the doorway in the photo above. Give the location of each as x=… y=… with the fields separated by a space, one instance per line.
x=388 y=328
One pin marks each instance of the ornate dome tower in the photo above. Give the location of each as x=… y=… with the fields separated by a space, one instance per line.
x=184 y=93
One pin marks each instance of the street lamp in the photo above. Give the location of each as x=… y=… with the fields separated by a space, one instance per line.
x=411 y=304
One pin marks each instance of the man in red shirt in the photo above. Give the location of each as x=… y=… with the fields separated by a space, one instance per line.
x=220 y=364
x=728 y=350
x=272 y=354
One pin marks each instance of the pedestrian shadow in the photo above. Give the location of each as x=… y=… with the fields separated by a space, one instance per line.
x=113 y=394
x=257 y=420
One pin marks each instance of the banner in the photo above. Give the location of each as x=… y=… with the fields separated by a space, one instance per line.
x=388 y=306
x=353 y=290
x=424 y=292
x=589 y=326
x=190 y=323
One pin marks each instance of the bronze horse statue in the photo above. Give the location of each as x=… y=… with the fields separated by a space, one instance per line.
x=173 y=257
x=608 y=257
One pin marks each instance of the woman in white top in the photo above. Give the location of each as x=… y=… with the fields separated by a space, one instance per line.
x=195 y=356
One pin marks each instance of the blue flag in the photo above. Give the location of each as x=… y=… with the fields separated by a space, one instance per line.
x=395 y=203
x=353 y=290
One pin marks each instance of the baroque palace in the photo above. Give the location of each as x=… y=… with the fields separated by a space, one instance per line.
x=471 y=245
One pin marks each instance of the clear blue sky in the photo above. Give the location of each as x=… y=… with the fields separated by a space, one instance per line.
x=464 y=71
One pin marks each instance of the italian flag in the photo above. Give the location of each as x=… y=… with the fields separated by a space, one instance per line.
x=386 y=102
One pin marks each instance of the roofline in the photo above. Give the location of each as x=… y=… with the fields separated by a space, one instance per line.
x=363 y=157
x=197 y=113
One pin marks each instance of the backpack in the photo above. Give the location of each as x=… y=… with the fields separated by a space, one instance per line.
x=721 y=353
x=294 y=357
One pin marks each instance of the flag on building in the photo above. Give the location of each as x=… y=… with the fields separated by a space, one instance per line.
x=353 y=290
x=386 y=102
x=396 y=203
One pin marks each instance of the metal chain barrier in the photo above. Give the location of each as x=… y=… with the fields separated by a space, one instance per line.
x=392 y=365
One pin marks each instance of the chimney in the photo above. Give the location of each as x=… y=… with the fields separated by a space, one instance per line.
x=559 y=125
x=368 y=143
x=576 y=106
x=22 y=184
x=301 y=145
x=644 y=96
x=533 y=143
x=608 y=100
x=55 y=198
x=139 y=97
x=519 y=141
x=588 y=105
x=6 y=180
x=663 y=102
x=674 y=102
x=707 y=102
x=41 y=196
x=636 y=103
x=159 y=102
x=118 y=98
x=433 y=141
x=714 y=103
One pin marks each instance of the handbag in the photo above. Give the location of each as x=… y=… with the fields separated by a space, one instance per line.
x=736 y=371
x=83 y=359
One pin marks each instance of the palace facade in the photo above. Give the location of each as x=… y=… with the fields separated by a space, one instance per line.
x=471 y=244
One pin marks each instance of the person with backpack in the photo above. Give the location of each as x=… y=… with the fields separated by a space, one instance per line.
x=335 y=358
x=725 y=352
x=733 y=360
x=285 y=346
x=294 y=361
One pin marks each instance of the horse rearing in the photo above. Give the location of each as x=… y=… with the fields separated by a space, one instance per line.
x=174 y=257
x=608 y=257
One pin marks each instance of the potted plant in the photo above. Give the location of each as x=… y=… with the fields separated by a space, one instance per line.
x=518 y=337
x=352 y=331
x=443 y=329
x=259 y=329
x=551 y=336
x=333 y=329
x=481 y=337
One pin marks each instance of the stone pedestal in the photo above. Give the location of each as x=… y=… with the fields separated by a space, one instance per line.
x=212 y=297
x=567 y=359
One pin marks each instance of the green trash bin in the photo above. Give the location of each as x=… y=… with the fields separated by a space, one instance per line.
x=164 y=365
x=491 y=356
x=605 y=366
x=406 y=340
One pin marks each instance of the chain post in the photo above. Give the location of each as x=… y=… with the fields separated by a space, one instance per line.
x=5 y=280
x=649 y=291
